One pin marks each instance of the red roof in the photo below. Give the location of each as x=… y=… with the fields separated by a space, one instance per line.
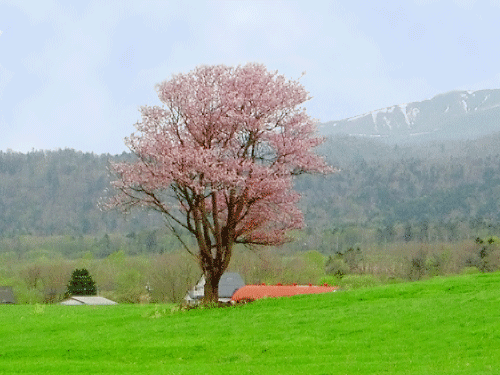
x=253 y=292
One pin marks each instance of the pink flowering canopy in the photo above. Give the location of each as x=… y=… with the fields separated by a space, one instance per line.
x=219 y=155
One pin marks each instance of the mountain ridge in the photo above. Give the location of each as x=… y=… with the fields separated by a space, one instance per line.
x=463 y=114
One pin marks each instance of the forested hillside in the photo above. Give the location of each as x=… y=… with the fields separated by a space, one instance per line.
x=379 y=184
x=57 y=193
x=453 y=185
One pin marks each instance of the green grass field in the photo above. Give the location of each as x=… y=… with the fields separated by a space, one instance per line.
x=440 y=326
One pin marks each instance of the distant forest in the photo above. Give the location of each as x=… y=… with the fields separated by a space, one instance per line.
x=58 y=193
x=378 y=184
x=446 y=191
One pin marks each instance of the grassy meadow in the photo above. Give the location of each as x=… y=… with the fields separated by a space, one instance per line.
x=438 y=326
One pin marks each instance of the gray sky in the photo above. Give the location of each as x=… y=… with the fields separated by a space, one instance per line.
x=73 y=73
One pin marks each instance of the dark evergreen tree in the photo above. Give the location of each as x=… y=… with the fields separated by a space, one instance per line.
x=81 y=284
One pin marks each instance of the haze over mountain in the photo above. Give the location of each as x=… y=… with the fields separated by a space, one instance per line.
x=450 y=116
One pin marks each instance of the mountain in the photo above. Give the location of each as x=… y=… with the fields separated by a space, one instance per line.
x=450 y=116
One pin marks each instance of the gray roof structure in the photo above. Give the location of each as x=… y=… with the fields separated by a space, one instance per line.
x=7 y=295
x=229 y=283
x=87 y=300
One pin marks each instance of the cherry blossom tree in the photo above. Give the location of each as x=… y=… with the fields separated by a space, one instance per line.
x=218 y=158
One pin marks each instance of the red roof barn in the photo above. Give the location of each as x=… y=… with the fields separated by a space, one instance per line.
x=253 y=292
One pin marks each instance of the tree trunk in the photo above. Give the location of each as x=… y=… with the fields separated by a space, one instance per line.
x=211 y=286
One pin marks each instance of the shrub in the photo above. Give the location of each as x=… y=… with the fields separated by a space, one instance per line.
x=335 y=266
x=353 y=258
x=417 y=266
x=486 y=258
x=434 y=265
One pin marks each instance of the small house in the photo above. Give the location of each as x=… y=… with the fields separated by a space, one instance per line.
x=87 y=300
x=229 y=283
x=7 y=295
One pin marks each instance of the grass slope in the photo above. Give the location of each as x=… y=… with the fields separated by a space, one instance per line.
x=440 y=326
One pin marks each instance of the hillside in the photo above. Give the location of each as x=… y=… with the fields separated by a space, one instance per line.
x=379 y=184
x=453 y=115
x=57 y=192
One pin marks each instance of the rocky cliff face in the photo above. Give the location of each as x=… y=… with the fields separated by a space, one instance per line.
x=454 y=115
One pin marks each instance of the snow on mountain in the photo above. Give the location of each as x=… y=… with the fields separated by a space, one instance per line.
x=452 y=115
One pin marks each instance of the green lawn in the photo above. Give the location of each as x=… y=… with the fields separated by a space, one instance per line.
x=440 y=326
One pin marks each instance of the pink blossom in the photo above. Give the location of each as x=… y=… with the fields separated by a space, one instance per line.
x=218 y=158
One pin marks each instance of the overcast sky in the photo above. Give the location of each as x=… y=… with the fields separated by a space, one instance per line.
x=73 y=73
